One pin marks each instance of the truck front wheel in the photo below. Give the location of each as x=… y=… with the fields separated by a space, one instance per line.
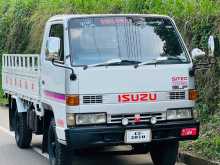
x=164 y=153
x=23 y=135
x=59 y=154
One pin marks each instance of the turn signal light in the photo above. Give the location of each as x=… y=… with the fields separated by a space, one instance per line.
x=72 y=100
x=193 y=94
x=189 y=132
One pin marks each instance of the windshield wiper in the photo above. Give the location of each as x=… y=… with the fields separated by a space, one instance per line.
x=128 y=62
x=160 y=60
x=112 y=62
x=146 y=63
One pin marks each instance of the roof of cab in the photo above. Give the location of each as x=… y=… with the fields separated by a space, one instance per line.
x=69 y=16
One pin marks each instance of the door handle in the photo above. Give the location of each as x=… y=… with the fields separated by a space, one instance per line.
x=43 y=82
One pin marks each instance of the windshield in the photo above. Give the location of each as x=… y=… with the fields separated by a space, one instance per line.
x=96 y=40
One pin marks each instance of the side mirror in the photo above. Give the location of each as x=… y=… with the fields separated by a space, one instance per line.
x=196 y=52
x=214 y=46
x=53 y=48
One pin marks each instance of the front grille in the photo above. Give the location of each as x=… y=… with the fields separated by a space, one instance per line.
x=144 y=118
x=92 y=99
x=179 y=95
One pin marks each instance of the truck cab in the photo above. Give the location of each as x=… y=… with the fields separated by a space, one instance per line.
x=107 y=80
x=132 y=80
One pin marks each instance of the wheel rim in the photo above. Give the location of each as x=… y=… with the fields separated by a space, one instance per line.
x=52 y=146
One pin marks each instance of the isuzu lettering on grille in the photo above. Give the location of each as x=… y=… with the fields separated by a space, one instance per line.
x=137 y=97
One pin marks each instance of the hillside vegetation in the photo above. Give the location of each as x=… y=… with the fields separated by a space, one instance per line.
x=22 y=25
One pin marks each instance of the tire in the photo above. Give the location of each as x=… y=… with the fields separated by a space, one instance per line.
x=59 y=154
x=23 y=135
x=140 y=148
x=164 y=153
x=11 y=111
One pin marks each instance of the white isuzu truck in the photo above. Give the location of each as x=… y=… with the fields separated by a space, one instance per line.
x=104 y=80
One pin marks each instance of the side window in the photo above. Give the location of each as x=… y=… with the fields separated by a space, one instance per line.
x=57 y=30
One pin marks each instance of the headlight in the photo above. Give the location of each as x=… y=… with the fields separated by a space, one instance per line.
x=175 y=114
x=86 y=119
x=70 y=119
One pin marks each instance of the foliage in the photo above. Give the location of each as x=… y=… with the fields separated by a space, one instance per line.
x=208 y=145
x=26 y=18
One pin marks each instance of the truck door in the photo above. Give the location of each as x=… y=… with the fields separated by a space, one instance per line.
x=52 y=77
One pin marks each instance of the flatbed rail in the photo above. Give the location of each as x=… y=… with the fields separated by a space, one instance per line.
x=21 y=75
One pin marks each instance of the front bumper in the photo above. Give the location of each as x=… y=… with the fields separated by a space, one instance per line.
x=90 y=136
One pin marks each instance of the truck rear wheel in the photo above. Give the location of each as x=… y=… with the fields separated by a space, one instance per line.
x=58 y=153
x=23 y=135
x=164 y=153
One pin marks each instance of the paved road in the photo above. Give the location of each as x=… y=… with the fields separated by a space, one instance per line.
x=11 y=155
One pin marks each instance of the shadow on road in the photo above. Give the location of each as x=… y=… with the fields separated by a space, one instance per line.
x=108 y=156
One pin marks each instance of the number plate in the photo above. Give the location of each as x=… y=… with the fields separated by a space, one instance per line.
x=138 y=136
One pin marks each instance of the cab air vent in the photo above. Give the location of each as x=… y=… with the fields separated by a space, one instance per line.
x=177 y=95
x=92 y=99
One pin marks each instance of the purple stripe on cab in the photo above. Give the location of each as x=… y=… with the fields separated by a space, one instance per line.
x=54 y=95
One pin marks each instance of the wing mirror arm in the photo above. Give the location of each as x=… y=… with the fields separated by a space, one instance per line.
x=52 y=51
x=213 y=52
x=200 y=66
x=196 y=52
x=73 y=76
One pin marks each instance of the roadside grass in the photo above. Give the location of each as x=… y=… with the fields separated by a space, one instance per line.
x=208 y=144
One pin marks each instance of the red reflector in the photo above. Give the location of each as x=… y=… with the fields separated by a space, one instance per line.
x=60 y=123
x=188 y=132
x=137 y=118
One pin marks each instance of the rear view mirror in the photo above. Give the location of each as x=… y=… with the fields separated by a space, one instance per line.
x=214 y=46
x=196 y=52
x=53 y=48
